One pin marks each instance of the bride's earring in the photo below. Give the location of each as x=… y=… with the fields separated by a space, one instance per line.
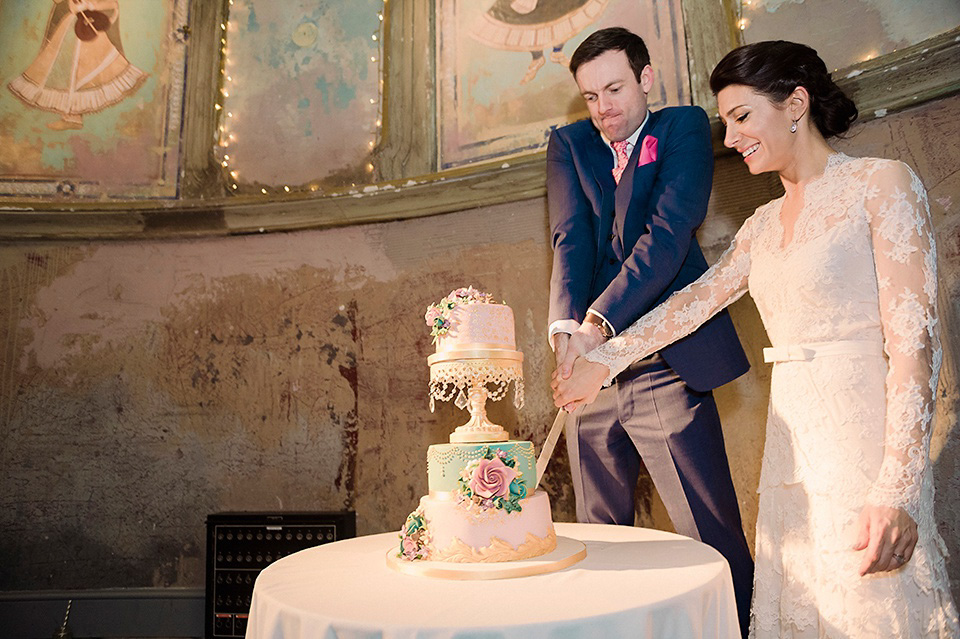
x=793 y=127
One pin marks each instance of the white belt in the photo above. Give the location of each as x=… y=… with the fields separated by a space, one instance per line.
x=807 y=352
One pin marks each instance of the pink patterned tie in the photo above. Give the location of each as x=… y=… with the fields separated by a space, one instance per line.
x=621 y=150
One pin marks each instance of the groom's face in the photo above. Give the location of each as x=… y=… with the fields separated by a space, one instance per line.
x=616 y=100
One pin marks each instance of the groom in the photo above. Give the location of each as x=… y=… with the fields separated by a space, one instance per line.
x=627 y=191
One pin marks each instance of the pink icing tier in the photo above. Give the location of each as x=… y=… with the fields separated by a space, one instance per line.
x=479 y=326
x=459 y=534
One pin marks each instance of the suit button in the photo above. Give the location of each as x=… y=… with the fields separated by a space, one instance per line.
x=612 y=261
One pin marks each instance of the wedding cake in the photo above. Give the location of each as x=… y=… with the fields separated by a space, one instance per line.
x=482 y=505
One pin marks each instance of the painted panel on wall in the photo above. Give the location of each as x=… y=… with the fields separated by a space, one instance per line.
x=302 y=92
x=503 y=76
x=849 y=31
x=91 y=97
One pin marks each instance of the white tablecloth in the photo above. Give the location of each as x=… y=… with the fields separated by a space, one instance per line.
x=634 y=582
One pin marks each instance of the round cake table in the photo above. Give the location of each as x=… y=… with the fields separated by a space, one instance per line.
x=634 y=582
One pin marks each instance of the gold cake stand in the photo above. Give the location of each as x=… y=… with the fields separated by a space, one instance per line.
x=469 y=374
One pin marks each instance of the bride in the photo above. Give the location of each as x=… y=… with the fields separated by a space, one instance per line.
x=843 y=271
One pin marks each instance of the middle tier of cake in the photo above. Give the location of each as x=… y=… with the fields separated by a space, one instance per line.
x=447 y=465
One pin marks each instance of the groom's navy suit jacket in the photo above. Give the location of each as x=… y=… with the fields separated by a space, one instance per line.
x=623 y=249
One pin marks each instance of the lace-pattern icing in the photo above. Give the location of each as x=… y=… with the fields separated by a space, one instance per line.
x=842 y=431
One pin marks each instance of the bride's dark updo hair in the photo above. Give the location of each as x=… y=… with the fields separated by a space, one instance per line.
x=775 y=68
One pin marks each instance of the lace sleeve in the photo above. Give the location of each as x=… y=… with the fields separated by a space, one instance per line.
x=683 y=312
x=905 y=259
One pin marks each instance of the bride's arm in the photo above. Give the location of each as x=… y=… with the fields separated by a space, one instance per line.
x=678 y=316
x=683 y=312
x=905 y=259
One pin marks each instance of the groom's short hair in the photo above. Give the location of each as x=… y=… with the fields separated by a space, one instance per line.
x=612 y=39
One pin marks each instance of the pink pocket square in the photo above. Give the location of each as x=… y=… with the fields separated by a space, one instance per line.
x=648 y=150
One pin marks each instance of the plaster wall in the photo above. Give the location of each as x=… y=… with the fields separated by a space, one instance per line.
x=144 y=385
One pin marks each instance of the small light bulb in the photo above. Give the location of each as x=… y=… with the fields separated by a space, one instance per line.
x=264 y=191
x=286 y=188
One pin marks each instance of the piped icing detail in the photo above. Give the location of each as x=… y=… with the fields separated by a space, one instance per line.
x=444 y=458
x=498 y=550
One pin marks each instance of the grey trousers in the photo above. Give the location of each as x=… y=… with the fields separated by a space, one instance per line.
x=650 y=413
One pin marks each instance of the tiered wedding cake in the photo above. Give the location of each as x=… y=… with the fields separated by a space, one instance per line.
x=482 y=505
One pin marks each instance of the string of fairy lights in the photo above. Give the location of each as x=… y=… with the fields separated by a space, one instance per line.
x=227 y=114
x=742 y=22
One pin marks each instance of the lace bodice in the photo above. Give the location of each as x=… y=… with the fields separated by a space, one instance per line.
x=860 y=266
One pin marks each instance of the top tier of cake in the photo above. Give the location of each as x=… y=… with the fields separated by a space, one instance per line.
x=468 y=320
x=479 y=326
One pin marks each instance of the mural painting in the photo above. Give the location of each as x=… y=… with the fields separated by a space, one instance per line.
x=92 y=97
x=502 y=68
x=302 y=93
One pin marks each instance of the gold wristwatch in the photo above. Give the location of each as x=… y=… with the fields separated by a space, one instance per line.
x=605 y=330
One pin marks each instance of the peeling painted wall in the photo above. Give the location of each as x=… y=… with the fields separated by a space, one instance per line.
x=144 y=385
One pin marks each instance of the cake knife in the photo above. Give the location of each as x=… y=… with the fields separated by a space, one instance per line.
x=547 y=451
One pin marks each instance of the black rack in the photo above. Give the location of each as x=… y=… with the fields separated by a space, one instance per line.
x=241 y=544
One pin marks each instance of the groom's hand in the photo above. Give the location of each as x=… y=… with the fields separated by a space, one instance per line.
x=560 y=343
x=582 y=341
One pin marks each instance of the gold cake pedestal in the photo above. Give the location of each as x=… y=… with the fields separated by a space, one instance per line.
x=468 y=374
x=567 y=553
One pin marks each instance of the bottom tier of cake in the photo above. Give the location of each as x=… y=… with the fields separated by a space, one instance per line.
x=445 y=528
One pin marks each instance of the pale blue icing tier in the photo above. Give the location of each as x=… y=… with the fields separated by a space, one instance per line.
x=444 y=462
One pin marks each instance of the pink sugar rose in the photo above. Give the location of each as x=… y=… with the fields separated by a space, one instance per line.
x=410 y=546
x=492 y=478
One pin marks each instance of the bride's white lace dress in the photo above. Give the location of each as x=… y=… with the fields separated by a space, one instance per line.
x=849 y=305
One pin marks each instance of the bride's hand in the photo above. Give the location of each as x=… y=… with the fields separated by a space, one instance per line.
x=889 y=536
x=581 y=387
